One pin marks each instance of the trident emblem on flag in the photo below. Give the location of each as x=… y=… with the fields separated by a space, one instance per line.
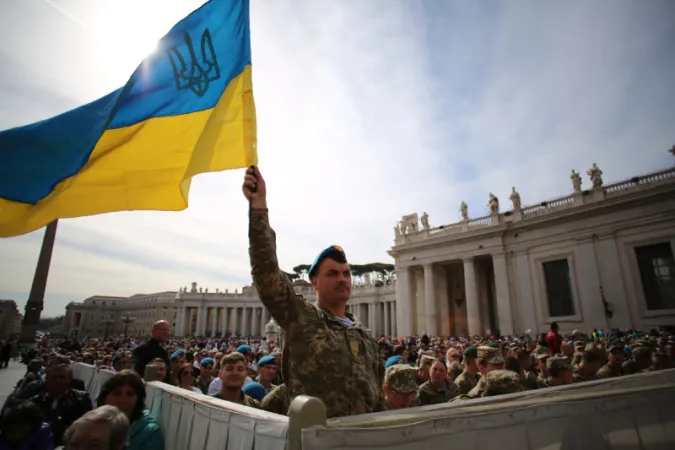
x=192 y=73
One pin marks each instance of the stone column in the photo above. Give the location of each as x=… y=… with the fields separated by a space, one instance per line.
x=371 y=318
x=236 y=330
x=403 y=313
x=387 y=331
x=502 y=296
x=201 y=320
x=214 y=324
x=223 y=331
x=244 y=321
x=430 y=301
x=392 y=320
x=180 y=329
x=472 y=305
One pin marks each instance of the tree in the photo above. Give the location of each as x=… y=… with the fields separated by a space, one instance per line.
x=301 y=270
x=292 y=276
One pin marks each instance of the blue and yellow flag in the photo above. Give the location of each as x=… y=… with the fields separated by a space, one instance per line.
x=187 y=109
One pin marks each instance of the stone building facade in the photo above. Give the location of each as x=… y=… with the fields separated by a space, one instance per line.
x=198 y=312
x=597 y=258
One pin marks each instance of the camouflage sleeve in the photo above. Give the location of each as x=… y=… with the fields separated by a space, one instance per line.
x=274 y=288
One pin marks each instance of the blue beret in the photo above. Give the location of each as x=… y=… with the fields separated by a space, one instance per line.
x=267 y=360
x=244 y=349
x=207 y=362
x=393 y=361
x=332 y=250
x=176 y=354
x=255 y=390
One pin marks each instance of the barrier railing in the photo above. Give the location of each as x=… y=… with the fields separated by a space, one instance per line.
x=628 y=412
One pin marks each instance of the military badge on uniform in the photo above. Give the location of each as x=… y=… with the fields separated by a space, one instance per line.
x=354 y=345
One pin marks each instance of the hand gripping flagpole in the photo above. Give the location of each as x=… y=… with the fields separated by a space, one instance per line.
x=250 y=201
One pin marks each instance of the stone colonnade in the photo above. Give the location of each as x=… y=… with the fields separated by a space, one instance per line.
x=240 y=320
x=427 y=295
x=379 y=317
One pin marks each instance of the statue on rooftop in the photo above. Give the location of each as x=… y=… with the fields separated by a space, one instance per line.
x=464 y=209
x=515 y=199
x=576 y=181
x=194 y=287
x=397 y=231
x=494 y=204
x=425 y=221
x=596 y=175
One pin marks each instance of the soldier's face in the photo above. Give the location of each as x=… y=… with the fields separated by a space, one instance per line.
x=333 y=282
x=233 y=375
x=438 y=372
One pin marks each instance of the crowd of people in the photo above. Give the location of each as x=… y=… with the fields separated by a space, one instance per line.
x=48 y=402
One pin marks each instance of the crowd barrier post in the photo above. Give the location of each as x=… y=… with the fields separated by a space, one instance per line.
x=304 y=412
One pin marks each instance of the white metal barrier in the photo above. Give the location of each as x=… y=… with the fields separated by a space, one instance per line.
x=620 y=413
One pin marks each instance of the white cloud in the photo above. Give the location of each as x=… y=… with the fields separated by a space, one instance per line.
x=366 y=110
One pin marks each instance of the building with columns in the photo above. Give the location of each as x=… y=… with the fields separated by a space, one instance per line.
x=597 y=258
x=198 y=312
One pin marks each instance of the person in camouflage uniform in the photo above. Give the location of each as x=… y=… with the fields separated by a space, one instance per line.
x=327 y=352
x=470 y=376
x=542 y=354
x=424 y=363
x=530 y=380
x=559 y=372
x=400 y=386
x=641 y=360
x=578 y=353
x=615 y=357
x=489 y=359
x=233 y=373
x=277 y=400
x=499 y=382
x=438 y=389
x=591 y=361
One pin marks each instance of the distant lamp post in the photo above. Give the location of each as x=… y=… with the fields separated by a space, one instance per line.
x=107 y=322
x=127 y=319
x=672 y=150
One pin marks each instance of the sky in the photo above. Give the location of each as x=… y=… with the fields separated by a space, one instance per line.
x=367 y=110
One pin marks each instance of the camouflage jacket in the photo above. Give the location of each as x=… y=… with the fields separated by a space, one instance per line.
x=245 y=400
x=465 y=382
x=277 y=400
x=610 y=371
x=478 y=390
x=321 y=357
x=579 y=376
x=430 y=396
x=531 y=381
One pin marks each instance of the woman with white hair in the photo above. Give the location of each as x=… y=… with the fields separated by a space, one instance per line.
x=104 y=428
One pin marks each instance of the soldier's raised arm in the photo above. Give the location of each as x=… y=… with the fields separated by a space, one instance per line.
x=274 y=288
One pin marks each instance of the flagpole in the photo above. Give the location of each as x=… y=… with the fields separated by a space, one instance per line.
x=35 y=303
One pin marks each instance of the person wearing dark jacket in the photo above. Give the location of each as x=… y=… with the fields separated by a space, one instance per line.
x=153 y=349
x=61 y=404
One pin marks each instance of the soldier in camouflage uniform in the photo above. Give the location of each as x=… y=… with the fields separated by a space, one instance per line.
x=424 y=363
x=489 y=359
x=400 y=386
x=469 y=378
x=530 y=381
x=542 y=354
x=277 y=400
x=641 y=360
x=578 y=353
x=233 y=373
x=615 y=357
x=499 y=382
x=327 y=353
x=559 y=372
x=438 y=389
x=591 y=361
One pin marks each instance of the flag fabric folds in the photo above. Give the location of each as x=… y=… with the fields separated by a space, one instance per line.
x=187 y=109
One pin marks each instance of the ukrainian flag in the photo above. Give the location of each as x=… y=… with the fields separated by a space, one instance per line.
x=187 y=109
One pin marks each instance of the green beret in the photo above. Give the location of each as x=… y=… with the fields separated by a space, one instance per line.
x=471 y=352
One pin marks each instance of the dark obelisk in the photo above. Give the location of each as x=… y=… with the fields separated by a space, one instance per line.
x=31 y=318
